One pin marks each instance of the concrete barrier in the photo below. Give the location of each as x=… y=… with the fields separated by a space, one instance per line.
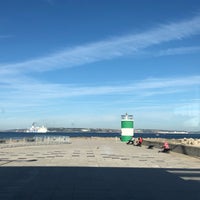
x=178 y=148
x=31 y=141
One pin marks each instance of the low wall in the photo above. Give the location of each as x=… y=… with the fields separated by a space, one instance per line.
x=178 y=148
x=30 y=141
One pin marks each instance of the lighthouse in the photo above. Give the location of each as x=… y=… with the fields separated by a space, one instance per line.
x=127 y=127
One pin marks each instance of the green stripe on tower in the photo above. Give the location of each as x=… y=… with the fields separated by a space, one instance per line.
x=124 y=138
x=127 y=124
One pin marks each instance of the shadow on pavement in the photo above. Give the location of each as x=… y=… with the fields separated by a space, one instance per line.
x=26 y=183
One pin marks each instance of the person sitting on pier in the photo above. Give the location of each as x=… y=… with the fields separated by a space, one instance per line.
x=139 y=142
x=165 y=148
x=131 y=141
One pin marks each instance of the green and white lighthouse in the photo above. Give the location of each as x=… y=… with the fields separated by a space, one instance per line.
x=127 y=127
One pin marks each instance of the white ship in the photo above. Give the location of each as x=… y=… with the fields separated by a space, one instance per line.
x=37 y=129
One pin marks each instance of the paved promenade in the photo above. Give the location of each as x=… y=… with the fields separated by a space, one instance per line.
x=97 y=168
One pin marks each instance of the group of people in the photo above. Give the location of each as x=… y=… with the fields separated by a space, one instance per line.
x=138 y=142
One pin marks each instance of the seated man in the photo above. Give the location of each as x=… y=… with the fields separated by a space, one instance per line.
x=165 y=147
x=139 y=142
x=131 y=141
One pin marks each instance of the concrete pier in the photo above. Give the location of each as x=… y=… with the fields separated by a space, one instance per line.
x=96 y=168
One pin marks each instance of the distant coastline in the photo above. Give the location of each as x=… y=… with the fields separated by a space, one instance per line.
x=105 y=130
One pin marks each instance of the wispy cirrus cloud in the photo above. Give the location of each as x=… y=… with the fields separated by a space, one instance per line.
x=48 y=98
x=109 y=49
x=147 y=87
x=169 y=82
x=178 y=51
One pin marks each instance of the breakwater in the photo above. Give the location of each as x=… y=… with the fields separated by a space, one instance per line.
x=175 y=147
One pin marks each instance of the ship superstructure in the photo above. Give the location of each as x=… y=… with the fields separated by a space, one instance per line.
x=37 y=129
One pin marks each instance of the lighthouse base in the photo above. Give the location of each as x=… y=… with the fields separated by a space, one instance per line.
x=125 y=138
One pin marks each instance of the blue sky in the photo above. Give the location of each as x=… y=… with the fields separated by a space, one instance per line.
x=83 y=63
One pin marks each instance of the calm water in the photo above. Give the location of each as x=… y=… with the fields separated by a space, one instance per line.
x=7 y=135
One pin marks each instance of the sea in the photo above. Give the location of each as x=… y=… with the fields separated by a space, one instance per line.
x=20 y=135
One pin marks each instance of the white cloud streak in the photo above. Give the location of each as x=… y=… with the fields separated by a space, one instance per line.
x=179 y=51
x=44 y=98
x=149 y=87
x=107 y=49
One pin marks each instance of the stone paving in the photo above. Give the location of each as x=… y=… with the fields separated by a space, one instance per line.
x=96 y=152
x=96 y=168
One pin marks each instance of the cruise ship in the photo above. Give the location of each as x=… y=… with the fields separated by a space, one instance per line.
x=37 y=129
